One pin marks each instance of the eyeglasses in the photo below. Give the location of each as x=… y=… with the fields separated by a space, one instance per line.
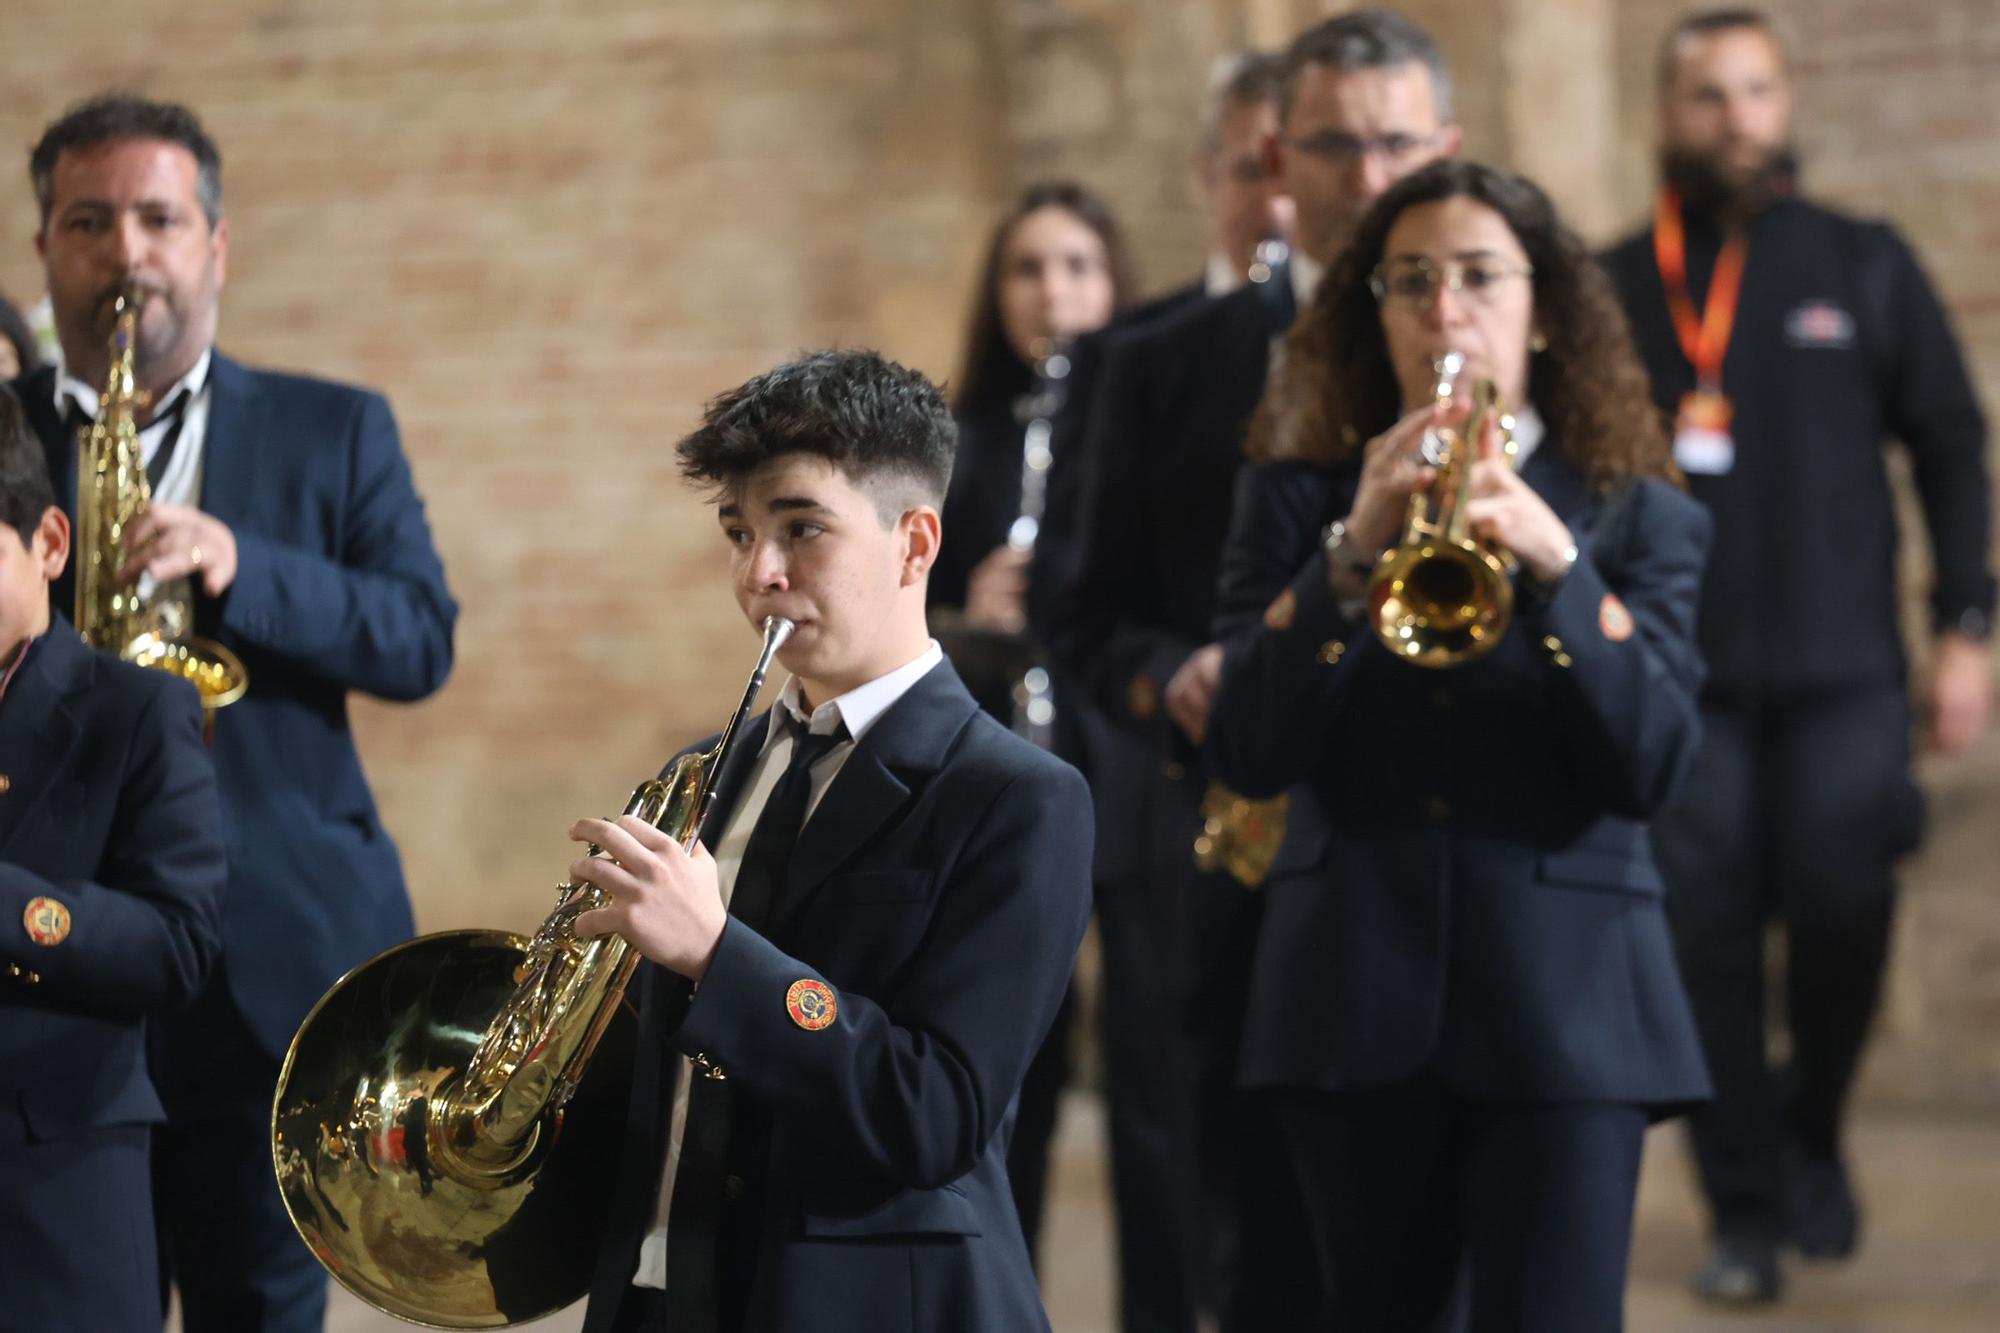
x=1416 y=282
x=1339 y=146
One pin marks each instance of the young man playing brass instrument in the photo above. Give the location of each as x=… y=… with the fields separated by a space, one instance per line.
x=852 y=971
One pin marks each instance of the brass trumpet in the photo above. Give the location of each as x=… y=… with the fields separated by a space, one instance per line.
x=111 y=493
x=435 y=1140
x=1441 y=598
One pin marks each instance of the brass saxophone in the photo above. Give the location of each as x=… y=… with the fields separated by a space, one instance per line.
x=111 y=493
x=435 y=1140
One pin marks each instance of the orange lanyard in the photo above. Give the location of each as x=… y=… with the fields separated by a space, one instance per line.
x=1704 y=338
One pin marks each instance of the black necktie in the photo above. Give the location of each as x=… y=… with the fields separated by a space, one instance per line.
x=714 y=1214
x=769 y=852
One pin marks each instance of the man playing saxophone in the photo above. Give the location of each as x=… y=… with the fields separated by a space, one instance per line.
x=849 y=976
x=287 y=504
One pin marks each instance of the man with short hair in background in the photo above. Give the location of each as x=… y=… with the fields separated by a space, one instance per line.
x=1364 y=98
x=1788 y=343
x=286 y=505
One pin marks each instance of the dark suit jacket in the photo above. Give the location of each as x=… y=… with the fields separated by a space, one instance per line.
x=110 y=809
x=338 y=588
x=1467 y=886
x=1169 y=405
x=940 y=888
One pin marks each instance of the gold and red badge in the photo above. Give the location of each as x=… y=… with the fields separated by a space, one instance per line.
x=1279 y=614
x=811 y=1004
x=46 y=921
x=1614 y=619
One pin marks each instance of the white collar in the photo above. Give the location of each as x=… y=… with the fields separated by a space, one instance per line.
x=69 y=387
x=1528 y=432
x=1220 y=278
x=861 y=707
x=1306 y=273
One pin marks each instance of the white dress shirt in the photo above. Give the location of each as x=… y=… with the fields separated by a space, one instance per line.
x=859 y=709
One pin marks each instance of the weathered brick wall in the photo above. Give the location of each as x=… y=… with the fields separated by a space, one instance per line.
x=550 y=230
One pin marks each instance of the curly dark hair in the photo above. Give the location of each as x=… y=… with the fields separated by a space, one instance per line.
x=883 y=425
x=990 y=376
x=1336 y=388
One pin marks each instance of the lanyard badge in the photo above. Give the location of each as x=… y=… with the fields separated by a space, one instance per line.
x=1703 y=444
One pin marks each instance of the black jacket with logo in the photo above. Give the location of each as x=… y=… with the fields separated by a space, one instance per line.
x=1839 y=346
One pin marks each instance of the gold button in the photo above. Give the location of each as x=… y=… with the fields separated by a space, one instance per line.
x=1437 y=809
x=1552 y=643
x=1330 y=651
x=1561 y=659
x=5 y=783
x=13 y=969
x=31 y=977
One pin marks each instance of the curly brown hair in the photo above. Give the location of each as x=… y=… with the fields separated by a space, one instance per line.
x=1336 y=388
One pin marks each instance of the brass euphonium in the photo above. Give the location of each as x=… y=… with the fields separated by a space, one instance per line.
x=111 y=493
x=1440 y=597
x=435 y=1140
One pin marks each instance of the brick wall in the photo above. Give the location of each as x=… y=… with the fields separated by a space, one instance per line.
x=550 y=230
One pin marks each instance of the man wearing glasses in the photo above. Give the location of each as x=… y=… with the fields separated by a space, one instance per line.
x=1364 y=100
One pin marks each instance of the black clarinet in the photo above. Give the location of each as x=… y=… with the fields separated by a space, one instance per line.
x=1036 y=410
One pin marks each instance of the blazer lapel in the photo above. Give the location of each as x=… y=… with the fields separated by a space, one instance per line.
x=235 y=423
x=913 y=738
x=38 y=724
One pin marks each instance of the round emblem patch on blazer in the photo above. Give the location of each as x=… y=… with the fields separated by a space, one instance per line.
x=811 y=1004
x=46 y=921
x=1614 y=619
x=1278 y=615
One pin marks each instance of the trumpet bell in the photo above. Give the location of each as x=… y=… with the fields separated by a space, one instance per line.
x=363 y=1129
x=1439 y=603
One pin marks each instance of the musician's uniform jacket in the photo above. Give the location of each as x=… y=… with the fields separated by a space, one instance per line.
x=111 y=873
x=1169 y=408
x=939 y=890
x=338 y=588
x=1466 y=888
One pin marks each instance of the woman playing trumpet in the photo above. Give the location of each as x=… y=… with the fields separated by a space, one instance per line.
x=1465 y=1003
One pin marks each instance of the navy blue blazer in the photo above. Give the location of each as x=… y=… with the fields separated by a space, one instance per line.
x=1467 y=886
x=338 y=588
x=940 y=888
x=109 y=809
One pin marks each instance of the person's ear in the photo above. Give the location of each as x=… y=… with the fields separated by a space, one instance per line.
x=923 y=531
x=50 y=546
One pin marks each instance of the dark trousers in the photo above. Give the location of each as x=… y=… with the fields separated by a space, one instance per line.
x=1797 y=808
x=76 y=1234
x=225 y=1239
x=1413 y=1191
x=1207 y=1212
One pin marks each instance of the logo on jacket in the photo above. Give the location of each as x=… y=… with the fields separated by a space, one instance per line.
x=46 y=921
x=811 y=1004
x=1819 y=324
